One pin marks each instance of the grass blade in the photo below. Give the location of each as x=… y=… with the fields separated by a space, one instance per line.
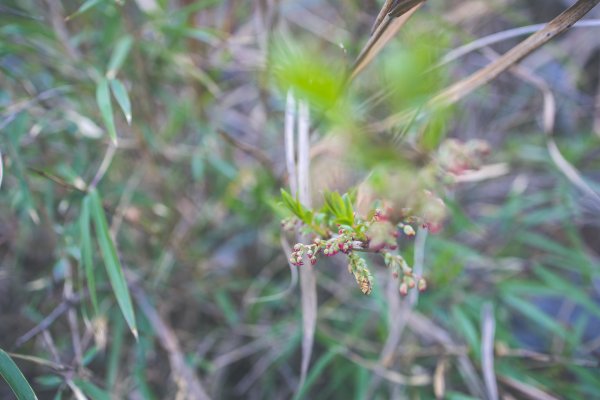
x=103 y=100
x=86 y=251
x=14 y=377
x=317 y=371
x=120 y=93
x=111 y=261
x=91 y=390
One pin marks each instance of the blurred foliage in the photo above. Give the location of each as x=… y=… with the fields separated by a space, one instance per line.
x=143 y=160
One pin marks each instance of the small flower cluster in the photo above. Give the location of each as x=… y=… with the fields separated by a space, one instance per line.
x=401 y=270
x=343 y=242
x=358 y=267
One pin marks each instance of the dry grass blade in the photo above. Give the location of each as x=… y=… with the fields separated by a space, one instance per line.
x=185 y=377
x=384 y=31
x=308 y=279
x=388 y=374
x=488 y=328
x=528 y=390
x=462 y=88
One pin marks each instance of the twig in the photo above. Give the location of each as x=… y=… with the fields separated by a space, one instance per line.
x=47 y=321
x=249 y=149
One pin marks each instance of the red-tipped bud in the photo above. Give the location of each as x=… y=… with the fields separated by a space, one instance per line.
x=408 y=230
x=403 y=289
x=410 y=282
x=422 y=285
x=297 y=246
x=395 y=275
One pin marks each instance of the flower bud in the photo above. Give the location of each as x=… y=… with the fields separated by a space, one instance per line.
x=408 y=230
x=422 y=285
x=403 y=289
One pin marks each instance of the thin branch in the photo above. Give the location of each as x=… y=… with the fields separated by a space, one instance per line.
x=249 y=149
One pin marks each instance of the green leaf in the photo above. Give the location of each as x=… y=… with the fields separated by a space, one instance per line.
x=91 y=390
x=86 y=5
x=111 y=261
x=464 y=324
x=103 y=100
x=86 y=251
x=297 y=208
x=118 y=56
x=14 y=377
x=120 y=93
x=116 y=351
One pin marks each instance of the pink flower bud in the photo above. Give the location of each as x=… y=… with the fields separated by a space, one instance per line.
x=403 y=289
x=422 y=285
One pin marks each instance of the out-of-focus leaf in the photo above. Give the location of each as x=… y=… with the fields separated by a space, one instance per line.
x=115 y=354
x=111 y=261
x=120 y=93
x=466 y=327
x=91 y=390
x=315 y=372
x=118 y=56
x=561 y=285
x=86 y=250
x=14 y=377
x=226 y=306
x=296 y=208
x=105 y=105
x=85 y=6
x=340 y=207
x=535 y=314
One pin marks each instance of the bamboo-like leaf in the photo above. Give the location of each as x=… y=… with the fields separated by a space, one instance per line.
x=105 y=105
x=118 y=56
x=14 y=377
x=111 y=261
x=86 y=251
x=120 y=93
